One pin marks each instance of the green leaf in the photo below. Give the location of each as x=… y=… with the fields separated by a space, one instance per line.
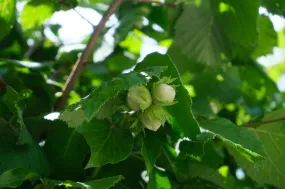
x=239 y=22
x=133 y=41
x=270 y=170
x=133 y=178
x=158 y=179
x=74 y=118
x=159 y=16
x=10 y=98
x=199 y=36
x=168 y=158
x=219 y=89
x=151 y=149
x=274 y=6
x=201 y=152
x=201 y=184
x=15 y=177
x=119 y=62
x=13 y=156
x=253 y=87
x=89 y=106
x=7 y=16
x=60 y=145
x=22 y=75
x=193 y=170
x=181 y=111
x=240 y=138
x=199 y=159
x=201 y=106
x=110 y=107
x=267 y=37
x=14 y=101
x=182 y=61
x=104 y=183
x=215 y=31
x=35 y=13
x=108 y=143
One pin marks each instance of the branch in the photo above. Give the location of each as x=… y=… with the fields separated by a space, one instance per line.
x=264 y=122
x=3 y=85
x=71 y=7
x=168 y=4
x=33 y=48
x=80 y=63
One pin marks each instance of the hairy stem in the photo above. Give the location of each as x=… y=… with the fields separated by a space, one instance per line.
x=137 y=157
x=264 y=122
x=71 y=7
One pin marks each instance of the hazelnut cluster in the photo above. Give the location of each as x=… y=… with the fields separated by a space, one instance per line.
x=150 y=104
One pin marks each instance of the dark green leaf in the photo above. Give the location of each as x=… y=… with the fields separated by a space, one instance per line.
x=201 y=184
x=274 y=6
x=215 y=31
x=111 y=144
x=270 y=170
x=130 y=15
x=201 y=106
x=192 y=170
x=30 y=156
x=66 y=150
x=133 y=178
x=15 y=177
x=239 y=22
x=205 y=41
x=240 y=138
x=267 y=37
x=15 y=103
x=201 y=152
x=151 y=148
x=104 y=183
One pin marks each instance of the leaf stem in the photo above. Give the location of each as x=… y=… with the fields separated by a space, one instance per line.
x=2 y=85
x=264 y=122
x=137 y=157
x=83 y=60
x=71 y=7
x=96 y=172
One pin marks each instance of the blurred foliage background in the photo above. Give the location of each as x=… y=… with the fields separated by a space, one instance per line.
x=251 y=42
x=230 y=54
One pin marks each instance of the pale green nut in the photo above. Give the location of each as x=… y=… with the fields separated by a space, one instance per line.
x=150 y=124
x=153 y=117
x=139 y=98
x=163 y=94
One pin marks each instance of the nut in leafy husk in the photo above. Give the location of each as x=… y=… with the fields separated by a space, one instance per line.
x=139 y=98
x=153 y=117
x=162 y=93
